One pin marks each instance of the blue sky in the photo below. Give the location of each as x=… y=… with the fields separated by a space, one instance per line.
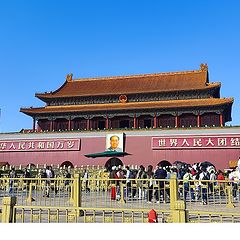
x=42 y=41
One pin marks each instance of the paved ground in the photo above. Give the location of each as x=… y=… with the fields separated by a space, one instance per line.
x=102 y=200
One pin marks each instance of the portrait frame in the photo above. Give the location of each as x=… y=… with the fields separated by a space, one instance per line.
x=109 y=144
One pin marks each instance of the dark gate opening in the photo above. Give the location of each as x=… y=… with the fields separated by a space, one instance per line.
x=31 y=165
x=164 y=163
x=147 y=123
x=124 y=124
x=113 y=162
x=101 y=124
x=67 y=164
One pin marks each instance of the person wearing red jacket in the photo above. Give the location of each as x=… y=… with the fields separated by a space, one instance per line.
x=220 y=180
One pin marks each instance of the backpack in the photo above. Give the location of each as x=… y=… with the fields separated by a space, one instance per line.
x=205 y=176
x=131 y=174
x=53 y=174
x=27 y=174
x=43 y=175
x=68 y=175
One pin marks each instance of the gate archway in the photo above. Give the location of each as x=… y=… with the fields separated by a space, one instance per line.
x=164 y=163
x=67 y=164
x=113 y=162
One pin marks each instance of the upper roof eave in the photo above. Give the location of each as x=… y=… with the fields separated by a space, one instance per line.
x=173 y=104
x=132 y=84
x=45 y=96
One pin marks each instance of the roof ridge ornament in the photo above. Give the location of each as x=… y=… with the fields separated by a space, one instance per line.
x=69 y=77
x=204 y=67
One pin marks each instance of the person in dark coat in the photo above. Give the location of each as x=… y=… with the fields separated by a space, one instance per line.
x=160 y=174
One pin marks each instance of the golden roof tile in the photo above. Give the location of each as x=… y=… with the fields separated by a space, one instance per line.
x=172 y=104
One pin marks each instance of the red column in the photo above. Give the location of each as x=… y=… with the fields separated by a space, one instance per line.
x=34 y=124
x=69 y=125
x=38 y=128
x=134 y=121
x=221 y=119
x=176 y=121
x=155 y=121
x=51 y=125
x=198 y=121
x=88 y=124
x=106 y=123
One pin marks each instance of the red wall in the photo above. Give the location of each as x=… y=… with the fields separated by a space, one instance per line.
x=138 y=146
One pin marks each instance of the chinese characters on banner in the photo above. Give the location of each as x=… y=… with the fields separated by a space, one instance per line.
x=40 y=145
x=196 y=142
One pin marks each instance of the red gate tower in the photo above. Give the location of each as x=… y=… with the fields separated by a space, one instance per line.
x=164 y=116
x=165 y=100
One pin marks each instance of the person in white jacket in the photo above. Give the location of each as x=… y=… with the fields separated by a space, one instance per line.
x=204 y=181
x=234 y=178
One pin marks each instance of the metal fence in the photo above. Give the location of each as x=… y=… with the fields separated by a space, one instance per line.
x=23 y=214
x=121 y=200
x=38 y=191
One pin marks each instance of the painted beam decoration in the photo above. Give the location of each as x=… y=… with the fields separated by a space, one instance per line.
x=40 y=145
x=180 y=142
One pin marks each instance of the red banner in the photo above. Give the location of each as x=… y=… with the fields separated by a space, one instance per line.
x=179 y=142
x=40 y=145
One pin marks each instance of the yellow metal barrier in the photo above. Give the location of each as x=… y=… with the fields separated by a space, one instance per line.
x=212 y=217
x=170 y=195
x=38 y=191
x=37 y=214
x=8 y=214
x=132 y=193
x=31 y=214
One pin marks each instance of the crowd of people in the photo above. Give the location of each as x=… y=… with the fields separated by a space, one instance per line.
x=197 y=180
x=47 y=174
